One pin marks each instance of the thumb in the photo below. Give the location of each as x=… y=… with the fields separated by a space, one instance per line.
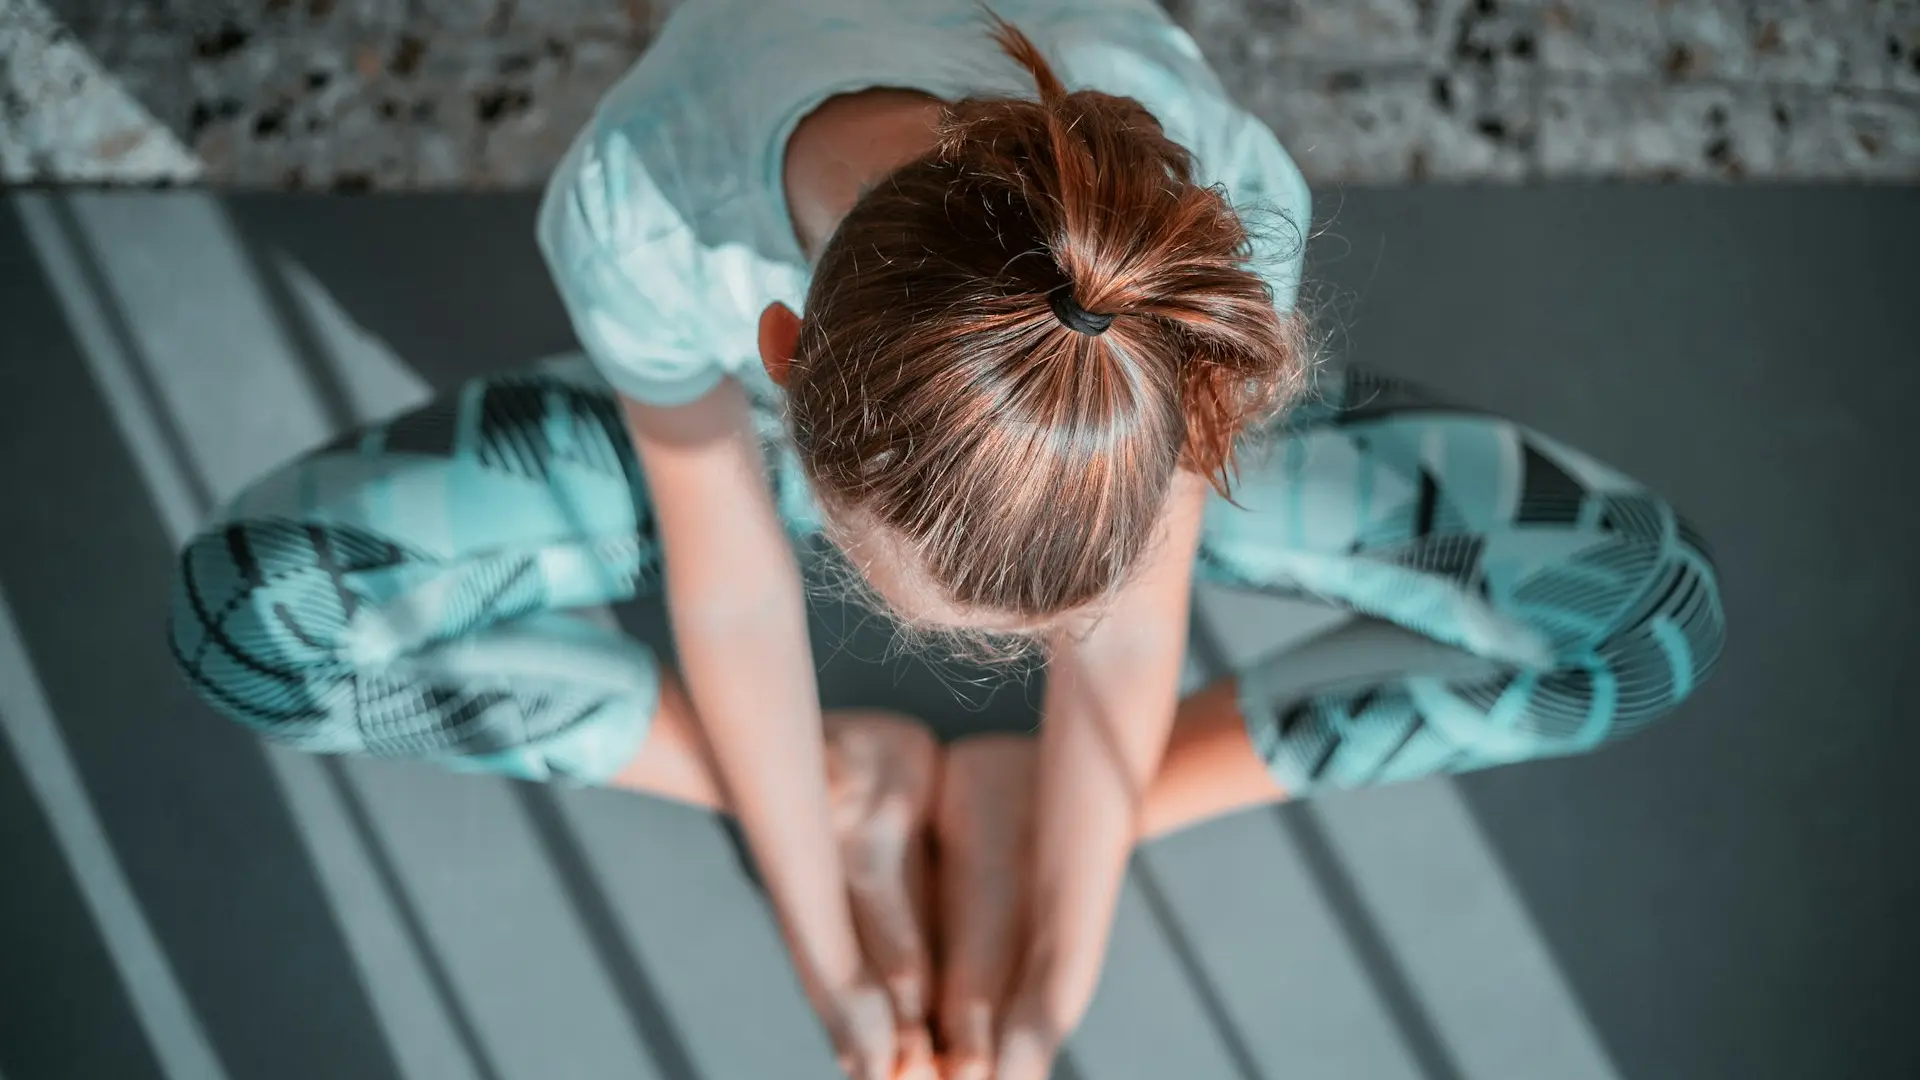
x=864 y=1064
x=863 y=1032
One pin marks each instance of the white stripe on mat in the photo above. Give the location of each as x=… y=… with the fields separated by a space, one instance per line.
x=1473 y=956
x=173 y=1030
x=147 y=231
x=1428 y=881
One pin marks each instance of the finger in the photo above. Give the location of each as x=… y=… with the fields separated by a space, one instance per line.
x=853 y=1064
x=1024 y=1055
x=894 y=947
x=890 y=932
x=967 y=1025
x=879 y=1050
x=968 y=1068
x=854 y=1067
x=864 y=1034
x=916 y=1060
x=868 y=1063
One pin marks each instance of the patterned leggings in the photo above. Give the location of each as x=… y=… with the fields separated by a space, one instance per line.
x=402 y=591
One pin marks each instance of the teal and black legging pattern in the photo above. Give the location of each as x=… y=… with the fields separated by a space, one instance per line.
x=404 y=591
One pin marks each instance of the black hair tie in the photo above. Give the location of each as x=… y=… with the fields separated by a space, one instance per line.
x=1073 y=316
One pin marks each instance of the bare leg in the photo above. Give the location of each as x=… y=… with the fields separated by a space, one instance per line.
x=889 y=786
x=673 y=762
x=983 y=826
x=883 y=773
x=1209 y=768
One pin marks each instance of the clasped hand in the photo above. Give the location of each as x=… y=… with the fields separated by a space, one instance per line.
x=936 y=848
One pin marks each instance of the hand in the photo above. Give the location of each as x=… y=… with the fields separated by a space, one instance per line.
x=868 y=1037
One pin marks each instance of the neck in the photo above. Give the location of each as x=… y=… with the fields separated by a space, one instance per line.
x=844 y=147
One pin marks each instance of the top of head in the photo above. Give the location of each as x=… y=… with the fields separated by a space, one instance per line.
x=937 y=394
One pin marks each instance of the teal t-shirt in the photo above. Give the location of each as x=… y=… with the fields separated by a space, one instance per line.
x=666 y=225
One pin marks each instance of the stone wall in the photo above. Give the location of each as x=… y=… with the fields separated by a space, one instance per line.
x=402 y=94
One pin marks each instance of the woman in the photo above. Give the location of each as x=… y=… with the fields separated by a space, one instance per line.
x=1046 y=333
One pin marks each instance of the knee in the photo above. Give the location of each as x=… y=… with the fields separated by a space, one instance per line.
x=864 y=739
x=1638 y=674
x=1670 y=638
x=1636 y=621
x=252 y=622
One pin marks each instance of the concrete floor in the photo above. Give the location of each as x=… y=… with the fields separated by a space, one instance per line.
x=1728 y=895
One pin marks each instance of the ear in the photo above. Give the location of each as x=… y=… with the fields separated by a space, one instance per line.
x=779 y=339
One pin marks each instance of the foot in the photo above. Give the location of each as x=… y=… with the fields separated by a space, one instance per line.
x=882 y=775
x=983 y=826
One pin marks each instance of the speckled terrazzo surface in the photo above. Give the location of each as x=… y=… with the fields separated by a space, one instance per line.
x=402 y=94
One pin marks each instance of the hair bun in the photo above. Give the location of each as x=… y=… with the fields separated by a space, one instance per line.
x=1074 y=317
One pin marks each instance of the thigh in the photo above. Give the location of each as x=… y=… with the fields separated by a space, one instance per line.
x=520 y=467
x=1467 y=527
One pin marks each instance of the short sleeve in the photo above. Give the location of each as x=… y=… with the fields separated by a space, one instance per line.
x=1271 y=195
x=607 y=238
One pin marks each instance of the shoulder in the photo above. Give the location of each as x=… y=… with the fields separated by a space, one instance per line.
x=1144 y=55
x=672 y=143
x=1152 y=60
x=647 y=298
x=602 y=201
x=611 y=234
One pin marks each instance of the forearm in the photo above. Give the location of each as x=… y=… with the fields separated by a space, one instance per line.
x=749 y=673
x=1084 y=834
x=1107 y=716
x=735 y=600
x=1109 y=707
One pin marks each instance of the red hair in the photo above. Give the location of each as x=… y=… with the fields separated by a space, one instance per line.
x=935 y=391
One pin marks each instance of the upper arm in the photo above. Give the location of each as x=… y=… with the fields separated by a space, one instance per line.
x=713 y=505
